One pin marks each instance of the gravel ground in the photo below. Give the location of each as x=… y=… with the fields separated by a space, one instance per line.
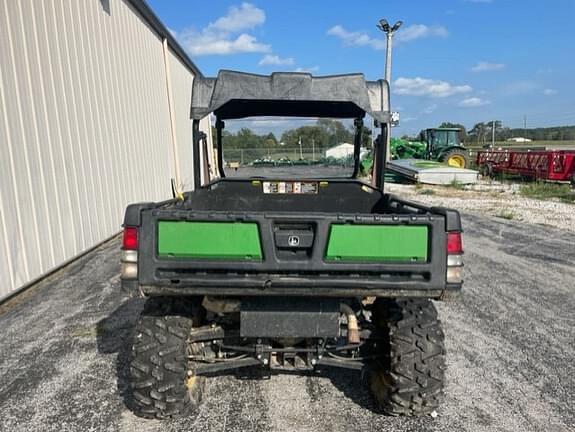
x=493 y=198
x=509 y=340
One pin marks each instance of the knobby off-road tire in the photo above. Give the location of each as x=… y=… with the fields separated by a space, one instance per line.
x=409 y=379
x=161 y=374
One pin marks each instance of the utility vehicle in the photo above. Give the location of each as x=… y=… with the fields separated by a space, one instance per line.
x=280 y=272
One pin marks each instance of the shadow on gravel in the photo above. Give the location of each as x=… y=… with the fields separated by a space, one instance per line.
x=114 y=334
x=354 y=386
x=351 y=383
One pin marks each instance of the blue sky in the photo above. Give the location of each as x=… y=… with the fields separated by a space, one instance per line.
x=462 y=61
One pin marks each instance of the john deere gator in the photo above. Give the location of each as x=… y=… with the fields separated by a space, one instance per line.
x=289 y=271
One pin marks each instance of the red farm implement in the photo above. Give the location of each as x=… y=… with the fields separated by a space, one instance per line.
x=550 y=165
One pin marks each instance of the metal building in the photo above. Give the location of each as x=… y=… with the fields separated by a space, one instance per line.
x=94 y=114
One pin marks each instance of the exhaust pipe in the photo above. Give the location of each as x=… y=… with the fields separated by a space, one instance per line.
x=352 y=326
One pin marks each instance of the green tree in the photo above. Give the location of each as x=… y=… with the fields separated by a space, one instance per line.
x=462 y=131
x=478 y=133
x=271 y=140
x=336 y=131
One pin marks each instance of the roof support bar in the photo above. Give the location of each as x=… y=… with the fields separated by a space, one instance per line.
x=220 y=125
x=358 y=123
x=380 y=157
x=196 y=153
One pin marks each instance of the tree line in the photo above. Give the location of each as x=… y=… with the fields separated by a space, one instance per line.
x=322 y=135
x=481 y=132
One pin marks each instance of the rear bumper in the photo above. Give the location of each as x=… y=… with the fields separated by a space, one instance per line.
x=299 y=286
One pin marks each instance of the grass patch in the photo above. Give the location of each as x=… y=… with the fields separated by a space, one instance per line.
x=505 y=214
x=543 y=190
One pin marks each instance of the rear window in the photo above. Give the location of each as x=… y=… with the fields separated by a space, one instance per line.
x=274 y=147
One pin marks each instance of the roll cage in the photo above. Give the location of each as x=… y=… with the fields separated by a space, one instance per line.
x=235 y=95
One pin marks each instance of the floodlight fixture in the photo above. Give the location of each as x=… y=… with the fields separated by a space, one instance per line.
x=396 y=26
x=383 y=25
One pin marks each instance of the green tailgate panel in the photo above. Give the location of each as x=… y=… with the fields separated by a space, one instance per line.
x=377 y=243
x=209 y=240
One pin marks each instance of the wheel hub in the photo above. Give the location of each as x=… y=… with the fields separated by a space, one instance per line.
x=456 y=161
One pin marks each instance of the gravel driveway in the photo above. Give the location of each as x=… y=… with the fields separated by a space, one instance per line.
x=510 y=342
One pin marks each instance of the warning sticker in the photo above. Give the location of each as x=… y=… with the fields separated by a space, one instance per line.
x=289 y=187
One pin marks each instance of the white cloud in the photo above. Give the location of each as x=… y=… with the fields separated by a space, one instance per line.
x=272 y=122
x=487 y=67
x=247 y=16
x=430 y=109
x=210 y=45
x=275 y=60
x=308 y=69
x=221 y=37
x=549 y=92
x=420 y=31
x=473 y=102
x=355 y=38
x=263 y=125
x=407 y=34
x=427 y=87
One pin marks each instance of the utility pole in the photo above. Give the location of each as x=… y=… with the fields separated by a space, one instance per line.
x=524 y=126
x=389 y=31
x=492 y=133
x=300 y=150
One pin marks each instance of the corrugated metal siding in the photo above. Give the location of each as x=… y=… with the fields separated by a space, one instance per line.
x=84 y=128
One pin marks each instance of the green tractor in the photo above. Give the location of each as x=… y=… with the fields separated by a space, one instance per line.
x=444 y=145
x=438 y=144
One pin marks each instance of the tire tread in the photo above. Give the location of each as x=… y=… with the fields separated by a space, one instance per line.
x=410 y=381
x=159 y=362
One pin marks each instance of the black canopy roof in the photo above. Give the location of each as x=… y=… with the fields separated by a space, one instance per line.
x=235 y=95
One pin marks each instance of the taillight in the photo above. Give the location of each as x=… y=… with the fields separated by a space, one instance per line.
x=129 y=259
x=454 y=244
x=130 y=241
x=454 y=257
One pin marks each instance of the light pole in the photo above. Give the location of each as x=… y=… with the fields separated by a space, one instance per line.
x=389 y=31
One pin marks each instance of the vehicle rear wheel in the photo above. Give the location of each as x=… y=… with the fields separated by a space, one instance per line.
x=409 y=379
x=162 y=377
x=456 y=158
